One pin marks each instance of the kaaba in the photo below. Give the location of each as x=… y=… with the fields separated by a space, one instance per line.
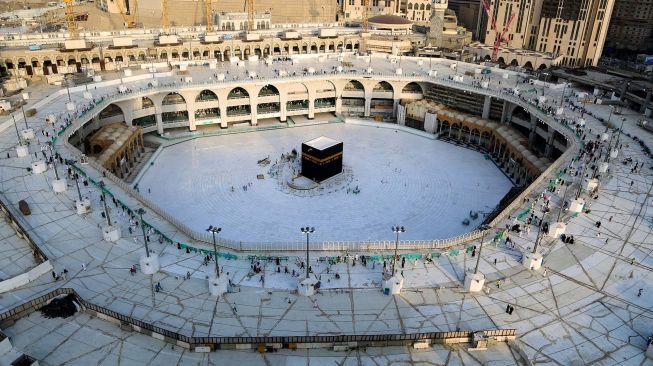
x=321 y=158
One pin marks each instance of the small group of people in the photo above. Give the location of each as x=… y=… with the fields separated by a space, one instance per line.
x=61 y=275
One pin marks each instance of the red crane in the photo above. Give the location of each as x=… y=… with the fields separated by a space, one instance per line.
x=500 y=37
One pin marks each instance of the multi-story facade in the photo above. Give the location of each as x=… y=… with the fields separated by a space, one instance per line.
x=417 y=11
x=574 y=29
x=353 y=9
x=631 y=26
x=471 y=15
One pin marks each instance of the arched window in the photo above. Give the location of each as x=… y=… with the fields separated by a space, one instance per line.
x=383 y=86
x=268 y=90
x=237 y=93
x=410 y=6
x=354 y=85
x=205 y=96
x=173 y=98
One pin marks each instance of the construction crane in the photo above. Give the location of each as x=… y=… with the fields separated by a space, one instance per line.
x=499 y=37
x=71 y=22
x=250 y=15
x=209 y=15
x=165 y=22
x=366 y=7
x=128 y=17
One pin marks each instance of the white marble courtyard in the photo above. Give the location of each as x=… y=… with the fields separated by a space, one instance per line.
x=427 y=185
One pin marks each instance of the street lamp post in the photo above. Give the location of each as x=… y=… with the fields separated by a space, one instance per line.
x=562 y=97
x=79 y=193
x=104 y=200
x=539 y=233
x=307 y=230
x=623 y=119
x=20 y=141
x=607 y=155
x=215 y=230
x=54 y=163
x=485 y=229
x=65 y=78
x=22 y=108
x=140 y=213
x=397 y=230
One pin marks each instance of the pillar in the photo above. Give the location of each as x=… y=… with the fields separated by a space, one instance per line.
x=191 y=119
x=338 y=105
x=311 y=108
x=504 y=111
x=283 y=103
x=646 y=108
x=159 y=123
x=624 y=91
x=395 y=103
x=368 y=107
x=548 y=150
x=253 y=110
x=486 y=107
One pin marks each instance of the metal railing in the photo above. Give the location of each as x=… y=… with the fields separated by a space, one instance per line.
x=22 y=232
x=142 y=326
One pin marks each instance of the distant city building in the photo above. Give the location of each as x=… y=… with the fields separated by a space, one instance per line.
x=238 y=21
x=353 y=9
x=418 y=11
x=574 y=29
x=436 y=32
x=471 y=15
x=631 y=26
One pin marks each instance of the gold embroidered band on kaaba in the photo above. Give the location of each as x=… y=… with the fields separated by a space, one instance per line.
x=315 y=160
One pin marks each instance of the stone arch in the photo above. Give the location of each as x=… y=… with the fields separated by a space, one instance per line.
x=383 y=86
x=173 y=98
x=413 y=87
x=501 y=61
x=464 y=133
x=354 y=85
x=237 y=93
x=206 y=96
x=514 y=62
x=528 y=65
x=520 y=113
x=111 y=110
x=146 y=102
x=324 y=86
x=268 y=90
x=542 y=67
